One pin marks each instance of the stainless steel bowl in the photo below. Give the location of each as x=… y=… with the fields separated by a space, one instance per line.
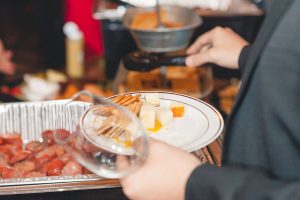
x=164 y=39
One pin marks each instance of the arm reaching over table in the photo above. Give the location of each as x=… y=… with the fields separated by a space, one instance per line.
x=221 y=46
x=163 y=175
x=170 y=173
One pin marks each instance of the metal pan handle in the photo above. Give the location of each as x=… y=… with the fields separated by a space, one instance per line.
x=143 y=62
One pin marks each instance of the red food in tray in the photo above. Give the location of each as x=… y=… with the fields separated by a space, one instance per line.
x=72 y=168
x=53 y=168
x=19 y=156
x=1 y=140
x=14 y=139
x=34 y=146
x=36 y=159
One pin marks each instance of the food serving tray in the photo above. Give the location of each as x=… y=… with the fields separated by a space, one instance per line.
x=30 y=120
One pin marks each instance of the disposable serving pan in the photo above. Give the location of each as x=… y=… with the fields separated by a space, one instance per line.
x=30 y=120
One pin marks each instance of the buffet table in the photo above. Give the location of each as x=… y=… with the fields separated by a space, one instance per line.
x=111 y=189
x=49 y=187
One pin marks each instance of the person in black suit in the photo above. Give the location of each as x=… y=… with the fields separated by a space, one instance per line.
x=261 y=151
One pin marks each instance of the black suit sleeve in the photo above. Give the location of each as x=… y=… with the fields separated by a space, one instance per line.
x=243 y=57
x=230 y=183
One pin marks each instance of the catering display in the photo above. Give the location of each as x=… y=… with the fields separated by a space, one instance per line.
x=41 y=165
x=34 y=122
x=89 y=141
x=155 y=42
x=66 y=143
x=161 y=52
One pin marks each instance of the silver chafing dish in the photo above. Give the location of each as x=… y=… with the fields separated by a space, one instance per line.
x=30 y=119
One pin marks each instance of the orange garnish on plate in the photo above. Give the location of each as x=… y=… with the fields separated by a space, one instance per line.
x=157 y=127
x=177 y=109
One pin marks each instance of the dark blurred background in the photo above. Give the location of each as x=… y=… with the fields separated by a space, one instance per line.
x=32 y=29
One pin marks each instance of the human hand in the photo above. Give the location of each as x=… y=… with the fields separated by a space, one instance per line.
x=6 y=65
x=221 y=46
x=163 y=176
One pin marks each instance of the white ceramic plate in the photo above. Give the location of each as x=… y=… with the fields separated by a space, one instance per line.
x=200 y=125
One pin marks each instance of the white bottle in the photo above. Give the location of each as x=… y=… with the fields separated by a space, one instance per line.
x=74 y=50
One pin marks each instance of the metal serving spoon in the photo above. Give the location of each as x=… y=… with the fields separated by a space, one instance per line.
x=159 y=20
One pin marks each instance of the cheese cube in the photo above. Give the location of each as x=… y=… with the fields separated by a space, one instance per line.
x=147 y=116
x=164 y=116
x=152 y=98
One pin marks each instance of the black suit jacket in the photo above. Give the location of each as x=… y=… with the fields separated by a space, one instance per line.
x=261 y=157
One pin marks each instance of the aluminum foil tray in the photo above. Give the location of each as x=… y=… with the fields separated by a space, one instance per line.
x=30 y=120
